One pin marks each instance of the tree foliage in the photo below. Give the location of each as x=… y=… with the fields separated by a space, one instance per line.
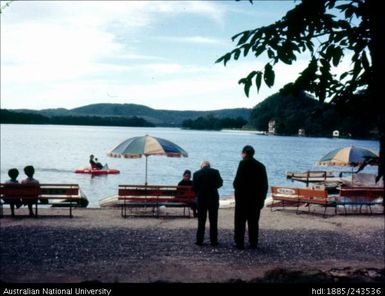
x=302 y=111
x=211 y=122
x=7 y=116
x=313 y=28
x=329 y=31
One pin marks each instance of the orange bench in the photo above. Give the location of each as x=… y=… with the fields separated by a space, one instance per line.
x=288 y=196
x=360 y=196
x=155 y=196
x=60 y=195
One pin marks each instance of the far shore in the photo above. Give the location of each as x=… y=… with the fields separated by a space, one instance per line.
x=98 y=245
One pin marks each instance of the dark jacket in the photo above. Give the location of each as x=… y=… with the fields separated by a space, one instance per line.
x=251 y=183
x=184 y=182
x=206 y=182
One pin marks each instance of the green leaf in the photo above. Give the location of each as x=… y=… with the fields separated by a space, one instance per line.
x=242 y=81
x=356 y=70
x=343 y=75
x=247 y=84
x=220 y=59
x=246 y=49
x=236 y=52
x=244 y=37
x=251 y=75
x=257 y=35
x=226 y=57
x=328 y=53
x=269 y=75
x=258 y=80
x=337 y=54
x=365 y=61
x=259 y=50
x=236 y=36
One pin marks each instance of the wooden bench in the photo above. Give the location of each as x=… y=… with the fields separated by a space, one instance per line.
x=288 y=196
x=154 y=196
x=360 y=196
x=58 y=195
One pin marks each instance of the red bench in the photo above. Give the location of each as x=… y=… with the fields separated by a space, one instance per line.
x=155 y=196
x=59 y=195
x=288 y=196
x=360 y=196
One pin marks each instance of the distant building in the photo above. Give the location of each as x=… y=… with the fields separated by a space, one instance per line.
x=336 y=133
x=271 y=127
x=301 y=132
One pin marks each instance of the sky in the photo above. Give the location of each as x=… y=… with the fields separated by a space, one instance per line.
x=67 y=54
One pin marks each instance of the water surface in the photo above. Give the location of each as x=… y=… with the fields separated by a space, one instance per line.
x=56 y=151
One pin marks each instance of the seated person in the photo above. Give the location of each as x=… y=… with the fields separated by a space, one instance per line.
x=29 y=171
x=186 y=181
x=92 y=162
x=96 y=165
x=13 y=173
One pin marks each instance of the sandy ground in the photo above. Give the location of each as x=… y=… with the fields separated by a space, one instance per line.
x=98 y=245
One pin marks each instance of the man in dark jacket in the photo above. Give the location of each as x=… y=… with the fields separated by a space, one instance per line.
x=250 y=186
x=206 y=182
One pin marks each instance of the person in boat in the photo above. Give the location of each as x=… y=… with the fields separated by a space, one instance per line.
x=186 y=181
x=96 y=165
x=13 y=174
x=29 y=171
x=93 y=162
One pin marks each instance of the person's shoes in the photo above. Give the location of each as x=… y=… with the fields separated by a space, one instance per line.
x=253 y=246
x=199 y=243
x=239 y=246
x=214 y=244
x=31 y=214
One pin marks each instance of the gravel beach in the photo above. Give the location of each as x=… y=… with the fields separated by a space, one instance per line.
x=98 y=245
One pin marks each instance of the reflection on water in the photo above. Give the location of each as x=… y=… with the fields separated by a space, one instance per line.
x=56 y=151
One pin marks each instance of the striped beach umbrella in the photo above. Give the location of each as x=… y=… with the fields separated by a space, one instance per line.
x=137 y=147
x=349 y=156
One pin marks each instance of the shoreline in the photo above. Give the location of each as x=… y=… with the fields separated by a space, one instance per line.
x=98 y=245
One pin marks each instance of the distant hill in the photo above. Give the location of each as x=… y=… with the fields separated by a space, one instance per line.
x=318 y=119
x=154 y=116
x=12 y=117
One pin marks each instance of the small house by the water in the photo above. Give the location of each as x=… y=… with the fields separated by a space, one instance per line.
x=271 y=127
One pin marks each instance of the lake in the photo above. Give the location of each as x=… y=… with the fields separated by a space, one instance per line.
x=56 y=151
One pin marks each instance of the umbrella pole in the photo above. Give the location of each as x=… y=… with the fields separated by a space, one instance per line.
x=146 y=172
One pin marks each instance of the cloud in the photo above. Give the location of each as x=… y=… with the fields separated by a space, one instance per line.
x=206 y=9
x=195 y=40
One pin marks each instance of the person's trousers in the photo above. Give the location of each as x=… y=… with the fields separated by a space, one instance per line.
x=251 y=216
x=213 y=219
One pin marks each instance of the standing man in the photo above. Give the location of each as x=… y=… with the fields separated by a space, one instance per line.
x=250 y=186
x=206 y=182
